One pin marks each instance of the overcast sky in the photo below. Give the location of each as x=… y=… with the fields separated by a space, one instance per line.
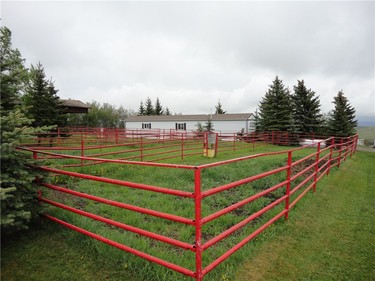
x=193 y=54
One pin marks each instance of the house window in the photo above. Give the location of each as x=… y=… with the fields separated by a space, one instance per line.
x=181 y=126
x=146 y=125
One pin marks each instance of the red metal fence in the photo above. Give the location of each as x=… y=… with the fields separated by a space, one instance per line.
x=298 y=174
x=141 y=145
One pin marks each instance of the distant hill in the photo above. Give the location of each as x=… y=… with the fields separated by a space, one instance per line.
x=367 y=133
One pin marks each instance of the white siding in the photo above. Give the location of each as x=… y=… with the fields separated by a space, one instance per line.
x=219 y=126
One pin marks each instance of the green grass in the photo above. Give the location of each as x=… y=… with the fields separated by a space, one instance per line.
x=48 y=252
x=174 y=179
x=121 y=266
x=329 y=236
x=366 y=132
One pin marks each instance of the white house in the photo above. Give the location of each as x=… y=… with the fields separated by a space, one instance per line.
x=230 y=123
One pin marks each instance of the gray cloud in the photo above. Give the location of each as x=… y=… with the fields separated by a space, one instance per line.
x=191 y=54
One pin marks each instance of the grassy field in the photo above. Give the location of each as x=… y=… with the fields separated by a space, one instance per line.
x=330 y=235
x=366 y=133
x=57 y=252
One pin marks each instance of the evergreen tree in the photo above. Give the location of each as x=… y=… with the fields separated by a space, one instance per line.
x=13 y=73
x=17 y=193
x=209 y=126
x=306 y=113
x=219 y=108
x=167 y=112
x=41 y=100
x=342 y=120
x=141 y=110
x=257 y=122
x=158 y=108
x=275 y=109
x=149 y=108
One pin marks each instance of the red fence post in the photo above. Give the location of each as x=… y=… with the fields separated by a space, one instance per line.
x=287 y=190
x=82 y=150
x=316 y=168
x=35 y=155
x=216 y=143
x=342 y=140
x=198 y=224
x=58 y=136
x=141 y=152
x=182 y=146
x=116 y=135
x=330 y=155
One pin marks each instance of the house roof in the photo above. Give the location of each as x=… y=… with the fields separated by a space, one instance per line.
x=195 y=117
x=74 y=103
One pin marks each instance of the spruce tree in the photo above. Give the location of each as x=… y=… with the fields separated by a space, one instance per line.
x=306 y=113
x=219 y=108
x=342 y=120
x=149 y=108
x=13 y=72
x=275 y=109
x=167 y=112
x=209 y=126
x=141 y=110
x=41 y=100
x=17 y=192
x=158 y=108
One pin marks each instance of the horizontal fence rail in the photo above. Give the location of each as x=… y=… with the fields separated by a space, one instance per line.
x=297 y=172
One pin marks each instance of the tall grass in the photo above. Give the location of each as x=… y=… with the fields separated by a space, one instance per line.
x=175 y=179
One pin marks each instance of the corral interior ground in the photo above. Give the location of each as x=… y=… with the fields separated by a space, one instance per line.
x=44 y=254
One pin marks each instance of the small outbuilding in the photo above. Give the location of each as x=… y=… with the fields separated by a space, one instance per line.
x=74 y=106
x=230 y=123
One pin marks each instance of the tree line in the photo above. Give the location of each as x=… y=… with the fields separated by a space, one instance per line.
x=148 y=108
x=299 y=112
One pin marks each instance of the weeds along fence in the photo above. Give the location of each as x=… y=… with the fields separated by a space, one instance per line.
x=187 y=218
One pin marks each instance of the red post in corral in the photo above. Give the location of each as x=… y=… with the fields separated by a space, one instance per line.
x=316 y=168
x=340 y=152
x=330 y=155
x=82 y=150
x=198 y=224
x=287 y=189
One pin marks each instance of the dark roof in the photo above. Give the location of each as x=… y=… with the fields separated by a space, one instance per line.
x=74 y=103
x=195 y=117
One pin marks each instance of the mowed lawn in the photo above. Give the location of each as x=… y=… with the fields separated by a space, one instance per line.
x=329 y=236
